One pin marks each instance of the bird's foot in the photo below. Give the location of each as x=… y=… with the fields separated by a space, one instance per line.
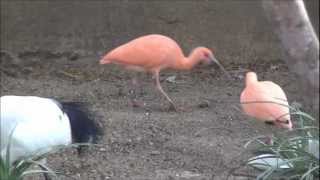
x=178 y=109
x=173 y=108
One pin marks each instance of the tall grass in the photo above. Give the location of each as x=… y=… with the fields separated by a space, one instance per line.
x=25 y=166
x=22 y=168
x=31 y=165
x=295 y=153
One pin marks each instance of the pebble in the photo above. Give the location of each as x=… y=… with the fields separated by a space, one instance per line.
x=103 y=149
x=204 y=104
x=155 y=152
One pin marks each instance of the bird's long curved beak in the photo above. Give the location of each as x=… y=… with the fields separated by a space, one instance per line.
x=221 y=67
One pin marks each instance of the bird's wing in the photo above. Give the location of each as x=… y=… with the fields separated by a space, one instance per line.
x=255 y=104
x=271 y=102
x=145 y=52
x=268 y=91
x=275 y=90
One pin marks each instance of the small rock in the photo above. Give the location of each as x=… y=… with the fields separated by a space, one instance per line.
x=171 y=79
x=73 y=56
x=204 y=104
x=139 y=138
x=188 y=174
x=103 y=149
x=77 y=165
x=155 y=152
x=274 y=67
x=240 y=77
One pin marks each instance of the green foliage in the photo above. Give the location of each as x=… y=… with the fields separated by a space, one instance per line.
x=297 y=149
x=22 y=167
x=32 y=164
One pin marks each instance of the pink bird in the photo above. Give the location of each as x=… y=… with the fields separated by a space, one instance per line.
x=265 y=101
x=153 y=53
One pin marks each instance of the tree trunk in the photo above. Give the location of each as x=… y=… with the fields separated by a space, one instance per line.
x=300 y=44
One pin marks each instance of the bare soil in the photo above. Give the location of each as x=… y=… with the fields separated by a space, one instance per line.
x=203 y=142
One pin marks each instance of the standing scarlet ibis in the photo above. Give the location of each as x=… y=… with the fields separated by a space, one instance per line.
x=38 y=125
x=153 y=53
x=265 y=101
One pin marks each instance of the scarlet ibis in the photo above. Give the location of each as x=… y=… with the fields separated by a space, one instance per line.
x=155 y=52
x=37 y=124
x=265 y=101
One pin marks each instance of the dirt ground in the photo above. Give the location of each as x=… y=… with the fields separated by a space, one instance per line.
x=203 y=142
x=59 y=44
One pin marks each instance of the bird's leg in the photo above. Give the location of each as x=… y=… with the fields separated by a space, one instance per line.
x=141 y=89
x=136 y=81
x=133 y=92
x=172 y=105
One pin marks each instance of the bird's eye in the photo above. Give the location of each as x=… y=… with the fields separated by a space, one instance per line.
x=206 y=55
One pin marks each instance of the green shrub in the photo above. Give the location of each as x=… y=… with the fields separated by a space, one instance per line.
x=289 y=154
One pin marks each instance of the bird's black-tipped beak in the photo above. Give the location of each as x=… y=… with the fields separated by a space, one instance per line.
x=213 y=59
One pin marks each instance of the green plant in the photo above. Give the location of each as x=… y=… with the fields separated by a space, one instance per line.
x=27 y=166
x=22 y=167
x=289 y=154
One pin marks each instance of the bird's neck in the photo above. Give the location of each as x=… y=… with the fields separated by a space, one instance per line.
x=251 y=80
x=189 y=62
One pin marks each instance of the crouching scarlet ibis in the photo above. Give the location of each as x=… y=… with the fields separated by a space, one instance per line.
x=153 y=53
x=265 y=101
x=37 y=124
